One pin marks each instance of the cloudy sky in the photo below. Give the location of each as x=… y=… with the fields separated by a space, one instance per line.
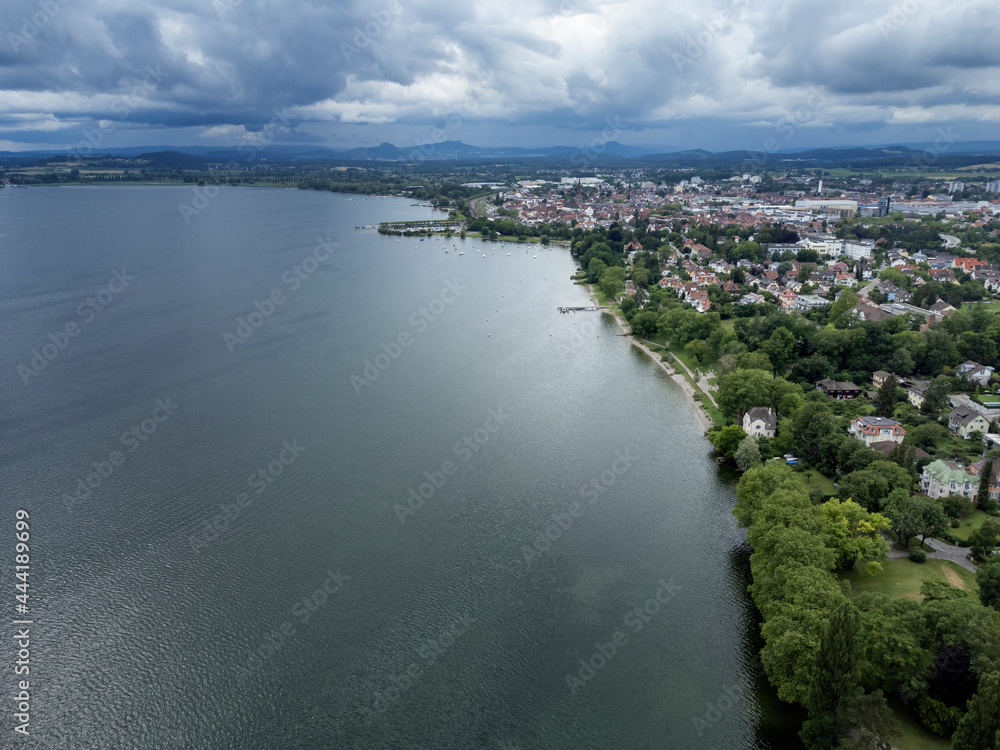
x=712 y=74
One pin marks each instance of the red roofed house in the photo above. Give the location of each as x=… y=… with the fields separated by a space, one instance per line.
x=877 y=430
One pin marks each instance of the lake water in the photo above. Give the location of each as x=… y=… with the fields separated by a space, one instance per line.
x=405 y=503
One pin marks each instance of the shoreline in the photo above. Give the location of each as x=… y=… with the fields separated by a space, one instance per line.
x=704 y=417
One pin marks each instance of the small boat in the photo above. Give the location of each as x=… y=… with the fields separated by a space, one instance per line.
x=461 y=253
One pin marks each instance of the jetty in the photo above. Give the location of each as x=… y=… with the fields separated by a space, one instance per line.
x=588 y=308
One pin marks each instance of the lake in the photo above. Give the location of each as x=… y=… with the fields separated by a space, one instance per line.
x=295 y=484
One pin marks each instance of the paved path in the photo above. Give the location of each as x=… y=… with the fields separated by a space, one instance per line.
x=941 y=551
x=704 y=387
x=957 y=555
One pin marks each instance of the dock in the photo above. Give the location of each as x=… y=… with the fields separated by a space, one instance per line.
x=589 y=308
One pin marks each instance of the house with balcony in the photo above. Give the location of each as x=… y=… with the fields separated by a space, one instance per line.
x=839 y=390
x=963 y=421
x=943 y=478
x=877 y=430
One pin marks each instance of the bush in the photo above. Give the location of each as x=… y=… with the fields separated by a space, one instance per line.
x=938 y=717
x=955 y=523
x=918 y=555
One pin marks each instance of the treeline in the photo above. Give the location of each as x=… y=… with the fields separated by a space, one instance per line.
x=839 y=655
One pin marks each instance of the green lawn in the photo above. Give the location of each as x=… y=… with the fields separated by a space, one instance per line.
x=815 y=480
x=969 y=524
x=686 y=358
x=902 y=578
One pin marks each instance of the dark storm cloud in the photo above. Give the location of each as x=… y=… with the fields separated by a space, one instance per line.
x=338 y=71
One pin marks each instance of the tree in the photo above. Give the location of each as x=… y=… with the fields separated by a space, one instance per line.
x=748 y=454
x=835 y=691
x=612 y=281
x=934 y=520
x=988 y=579
x=984 y=540
x=872 y=486
x=936 y=396
x=640 y=276
x=983 y=493
x=812 y=425
x=845 y=302
x=853 y=532
x=727 y=440
x=906 y=514
x=901 y=362
x=779 y=348
x=742 y=390
x=885 y=401
x=980 y=729
x=699 y=349
x=926 y=436
x=595 y=268
x=754 y=361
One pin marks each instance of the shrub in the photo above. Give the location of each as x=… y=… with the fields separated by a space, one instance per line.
x=918 y=555
x=955 y=523
x=938 y=717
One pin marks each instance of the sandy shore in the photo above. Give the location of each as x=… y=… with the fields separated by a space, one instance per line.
x=678 y=378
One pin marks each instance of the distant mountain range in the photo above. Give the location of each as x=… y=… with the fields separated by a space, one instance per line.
x=192 y=157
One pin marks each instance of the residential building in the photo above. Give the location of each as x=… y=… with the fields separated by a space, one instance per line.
x=839 y=390
x=976 y=469
x=877 y=430
x=807 y=302
x=943 y=478
x=915 y=393
x=760 y=422
x=975 y=372
x=878 y=378
x=963 y=421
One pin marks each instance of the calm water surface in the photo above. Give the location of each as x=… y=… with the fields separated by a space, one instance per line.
x=393 y=508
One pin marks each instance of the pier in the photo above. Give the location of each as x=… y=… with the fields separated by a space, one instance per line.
x=589 y=308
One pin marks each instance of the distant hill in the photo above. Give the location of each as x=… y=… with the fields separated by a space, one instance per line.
x=193 y=157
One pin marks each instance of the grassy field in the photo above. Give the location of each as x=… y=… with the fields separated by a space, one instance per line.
x=686 y=358
x=969 y=524
x=815 y=480
x=902 y=578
